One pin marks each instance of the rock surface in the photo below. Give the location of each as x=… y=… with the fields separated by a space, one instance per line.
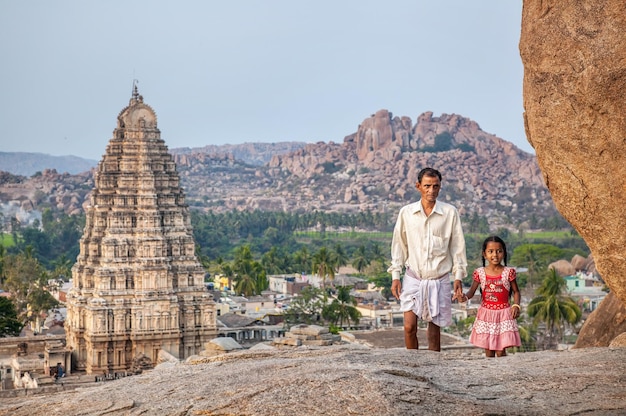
x=562 y=267
x=356 y=380
x=574 y=56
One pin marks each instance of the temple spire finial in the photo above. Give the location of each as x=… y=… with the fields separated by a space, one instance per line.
x=135 y=89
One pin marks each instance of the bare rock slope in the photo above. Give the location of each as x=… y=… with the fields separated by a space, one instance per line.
x=356 y=380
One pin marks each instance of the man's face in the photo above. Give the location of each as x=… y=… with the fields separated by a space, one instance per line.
x=429 y=188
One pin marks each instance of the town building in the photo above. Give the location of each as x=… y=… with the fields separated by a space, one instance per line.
x=586 y=289
x=288 y=284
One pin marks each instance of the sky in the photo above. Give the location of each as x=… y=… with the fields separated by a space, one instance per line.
x=237 y=71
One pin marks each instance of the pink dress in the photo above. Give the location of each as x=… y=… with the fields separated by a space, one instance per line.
x=494 y=328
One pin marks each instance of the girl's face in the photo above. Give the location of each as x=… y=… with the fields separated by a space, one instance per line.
x=494 y=253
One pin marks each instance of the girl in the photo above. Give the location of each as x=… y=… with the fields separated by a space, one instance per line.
x=495 y=327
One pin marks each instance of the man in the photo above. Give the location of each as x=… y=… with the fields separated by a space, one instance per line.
x=428 y=243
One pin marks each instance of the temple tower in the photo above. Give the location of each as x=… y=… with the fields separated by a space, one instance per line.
x=137 y=283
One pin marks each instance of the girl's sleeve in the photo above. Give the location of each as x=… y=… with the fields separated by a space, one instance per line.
x=512 y=274
x=476 y=276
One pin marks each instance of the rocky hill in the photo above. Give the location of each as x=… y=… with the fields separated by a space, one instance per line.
x=24 y=197
x=374 y=168
x=255 y=154
x=28 y=164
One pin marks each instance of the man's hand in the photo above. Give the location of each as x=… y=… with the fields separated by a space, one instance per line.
x=461 y=298
x=396 y=288
x=458 y=290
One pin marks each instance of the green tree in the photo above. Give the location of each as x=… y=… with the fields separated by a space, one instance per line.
x=10 y=325
x=340 y=258
x=383 y=281
x=27 y=281
x=62 y=268
x=528 y=336
x=533 y=263
x=2 y=253
x=306 y=308
x=227 y=270
x=324 y=265
x=377 y=254
x=250 y=277
x=342 y=308
x=535 y=257
x=38 y=240
x=271 y=261
x=553 y=307
x=477 y=224
x=360 y=260
x=16 y=227
x=302 y=260
x=59 y=236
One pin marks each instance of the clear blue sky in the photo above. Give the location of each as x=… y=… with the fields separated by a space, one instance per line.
x=219 y=72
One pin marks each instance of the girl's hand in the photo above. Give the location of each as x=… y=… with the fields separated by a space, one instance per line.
x=515 y=310
x=460 y=297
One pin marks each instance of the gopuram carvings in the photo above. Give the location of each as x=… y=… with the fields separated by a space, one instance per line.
x=137 y=283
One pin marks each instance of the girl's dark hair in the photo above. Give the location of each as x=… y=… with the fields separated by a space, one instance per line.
x=493 y=239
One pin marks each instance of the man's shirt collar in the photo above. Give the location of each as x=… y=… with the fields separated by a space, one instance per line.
x=418 y=207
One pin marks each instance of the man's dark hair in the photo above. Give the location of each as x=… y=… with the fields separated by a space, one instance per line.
x=433 y=173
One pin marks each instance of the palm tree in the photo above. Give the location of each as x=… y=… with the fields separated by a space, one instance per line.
x=250 y=278
x=2 y=253
x=62 y=268
x=527 y=334
x=533 y=264
x=302 y=259
x=343 y=308
x=361 y=259
x=271 y=261
x=227 y=270
x=377 y=254
x=340 y=258
x=324 y=265
x=250 y=275
x=553 y=307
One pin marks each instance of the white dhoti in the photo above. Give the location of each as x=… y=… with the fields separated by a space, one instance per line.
x=430 y=300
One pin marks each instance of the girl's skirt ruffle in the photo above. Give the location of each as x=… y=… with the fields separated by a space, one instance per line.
x=495 y=330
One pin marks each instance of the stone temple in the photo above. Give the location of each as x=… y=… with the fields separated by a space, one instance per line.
x=137 y=283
